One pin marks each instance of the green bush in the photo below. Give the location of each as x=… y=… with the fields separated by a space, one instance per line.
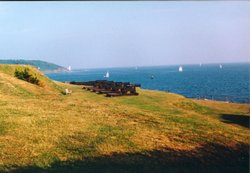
x=26 y=76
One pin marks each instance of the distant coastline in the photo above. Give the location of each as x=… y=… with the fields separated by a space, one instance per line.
x=43 y=66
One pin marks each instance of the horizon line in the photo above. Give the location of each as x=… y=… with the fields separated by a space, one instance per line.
x=210 y=63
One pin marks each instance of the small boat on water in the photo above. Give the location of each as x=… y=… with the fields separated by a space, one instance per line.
x=220 y=66
x=69 y=68
x=180 y=69
x=152 y=77
x=107 y=75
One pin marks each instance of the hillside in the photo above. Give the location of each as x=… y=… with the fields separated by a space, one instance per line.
x=44 y=66
x=42 y=130
x=10 y=85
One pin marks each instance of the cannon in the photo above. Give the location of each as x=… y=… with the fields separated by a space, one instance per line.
x=110 y=88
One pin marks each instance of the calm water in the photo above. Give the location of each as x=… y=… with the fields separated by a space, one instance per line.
x=231 y=83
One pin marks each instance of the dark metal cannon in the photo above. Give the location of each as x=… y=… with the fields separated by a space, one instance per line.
x=110 y=88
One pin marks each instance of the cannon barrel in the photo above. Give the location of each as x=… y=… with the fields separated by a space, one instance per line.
x=110 y=88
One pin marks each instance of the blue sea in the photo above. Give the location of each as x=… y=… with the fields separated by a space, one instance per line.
x=208 y=81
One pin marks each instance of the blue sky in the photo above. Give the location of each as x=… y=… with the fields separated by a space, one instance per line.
x=113 y=34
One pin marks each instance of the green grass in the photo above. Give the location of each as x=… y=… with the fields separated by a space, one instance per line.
x=2 y=127
x=21 y=87
x=42 y=130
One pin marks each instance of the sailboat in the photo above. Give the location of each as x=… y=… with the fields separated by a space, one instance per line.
x=107 y=75
x=180 y=69
x=69 y=68
x=220 y=66
x=200 y=64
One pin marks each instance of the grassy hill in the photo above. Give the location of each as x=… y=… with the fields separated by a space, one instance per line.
x=44 y=66
x=10 y=85
x=42 y=130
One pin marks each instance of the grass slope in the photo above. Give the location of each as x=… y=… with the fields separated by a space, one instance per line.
x=10 y=85
x=46 y=131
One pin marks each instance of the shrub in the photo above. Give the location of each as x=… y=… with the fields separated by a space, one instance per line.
x=26 y=76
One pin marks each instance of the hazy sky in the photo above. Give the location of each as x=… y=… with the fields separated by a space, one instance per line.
x=109 y=34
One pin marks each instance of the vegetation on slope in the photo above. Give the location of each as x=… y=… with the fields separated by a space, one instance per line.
x=10 y=85
x=87 y=132
x=26 y=75
x=44 y=66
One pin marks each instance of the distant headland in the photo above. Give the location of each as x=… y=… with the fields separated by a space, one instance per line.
x=44 y=66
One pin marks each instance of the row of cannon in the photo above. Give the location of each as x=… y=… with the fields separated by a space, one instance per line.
x=110 y=88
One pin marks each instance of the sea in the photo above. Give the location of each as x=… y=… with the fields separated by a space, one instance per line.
x=229 y=83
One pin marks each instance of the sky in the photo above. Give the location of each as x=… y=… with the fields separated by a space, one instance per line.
x=122 y=34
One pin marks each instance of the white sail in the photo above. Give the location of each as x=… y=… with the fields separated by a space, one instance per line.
x=220 y=66
x=69 y=68
x=180 y=69
x=107 y=75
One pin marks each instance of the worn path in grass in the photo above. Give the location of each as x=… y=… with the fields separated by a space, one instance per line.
x=42 y=130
